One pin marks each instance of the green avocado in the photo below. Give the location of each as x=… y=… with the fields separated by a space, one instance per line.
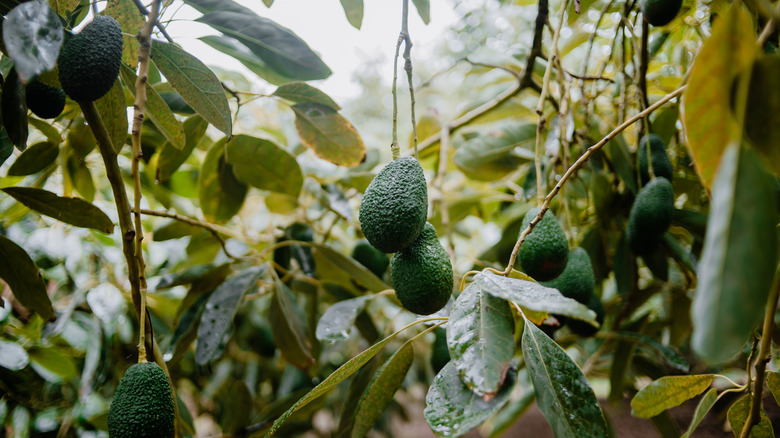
x=376 y=261
x=90 y=60
x=440 y=354
x=545 y=251
x=395 y=206
x=660 y=12
x=422 y=274
x=43 y=100
x=661 y=165
x=650 y=216
x=582 y=328
x=142 y=405
x=576 y=281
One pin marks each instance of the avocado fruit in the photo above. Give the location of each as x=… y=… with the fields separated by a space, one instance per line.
x=440 y=354
x=43 y=100
x=374 y=260
x=422 y=274
x=90 y=60
x=582 y=328
x=662 y=166
x=577 y=280
x=545 y=251
x=142 y=405
x=650 y=216
x=395 y=206
x=660 y=12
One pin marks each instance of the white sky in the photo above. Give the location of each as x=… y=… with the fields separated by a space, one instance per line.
x=323 y=25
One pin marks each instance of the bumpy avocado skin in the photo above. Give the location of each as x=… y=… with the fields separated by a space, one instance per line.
x=422 y=274
x=576 y=281
x=142 y=405
x=395 y=206
x=545 y=251
x=440 y=354
x=650 y=216
x=376 y=261
x=89 y=62
x=44 y=101
x=662 y=166
x=660 y=12
x=582 y=328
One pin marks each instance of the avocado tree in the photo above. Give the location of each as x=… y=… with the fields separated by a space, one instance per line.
x=584 y=212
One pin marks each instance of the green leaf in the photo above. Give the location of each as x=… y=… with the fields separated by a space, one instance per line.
x=23 y=278
x=33 y=160
x=172 y=157
x=51 y=133
x=186 y=330
x=13 y=356
x=130 y=19
x=262 y=164
x=6 y=145
x=157 y=110
x=52 y=365
x=355 y=270
x=195 y=83
x=113 y=109
x=331 y=381
x=533 y=296
x=330 y=135
x=668 y=353
x=301 y=92
x=490 y=156
x=220 y=309
x=221 y=195
x=708 y=119
x=705 y=404
x=355 y=392
x=354 y=12
x=423 y=9
x=668 y=392
x=380 y=390
x=452 y=409
x=762 y=116
x=33 y=35
x=238 y=408
x=335 y=323
x=737 y=416
x=206 y=6
x=14 y=109
x=232 y=47
x=481 y=340
x=617 y=148
x=733 y=283
x=288 y=324
x=175 y=230
x=73 y=211
x=280 y=48
x=773 y=382
x=562 y=391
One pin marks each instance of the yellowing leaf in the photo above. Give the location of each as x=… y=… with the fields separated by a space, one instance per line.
x=330 y=135
x=668 y=392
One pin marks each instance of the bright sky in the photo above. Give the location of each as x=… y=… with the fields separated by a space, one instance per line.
x=323 y=25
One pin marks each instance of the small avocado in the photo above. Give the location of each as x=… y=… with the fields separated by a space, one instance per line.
x=395 y=206
x=576 y=281
x=662 y=166
x=376 y=261
x=440 y=354
x=90 y=60
x=422 y=274
x=584 y=329
x=650 y=216
x=142 y=405
x=43 y=100
x=660 y=12
x=545 y=251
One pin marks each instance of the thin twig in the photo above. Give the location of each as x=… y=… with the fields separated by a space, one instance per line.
x=188 y=220
x=160 y=27
x=407 y=39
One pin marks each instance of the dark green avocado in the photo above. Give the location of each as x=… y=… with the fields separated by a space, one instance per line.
x=660 y=12
x=422 y=274
x=395 y=206
x=90 y=60
x=650 y=216
x=545 y=251
x=582 y=328
x=142 y=405
x=662 y=166
x=576 y=281
x=376 y=261
x=43 y=100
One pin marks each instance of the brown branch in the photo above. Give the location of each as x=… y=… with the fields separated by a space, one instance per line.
x=188 y=220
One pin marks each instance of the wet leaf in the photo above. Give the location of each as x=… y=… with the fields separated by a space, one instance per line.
x=220 y=309
x=23 y=278
x=737 y=416
x=330 y=135
x=14 y=109
x=668 y=392
x=13 y=356
x=707 y=116
x=562 y=391
x=379 y=393
x=353 y=9
x=480 y=338
x=705 y=404
x=33 y=35
x=262 y=164
x=221 y=195
x=195 y=83
x=288 y=324
x=73 y=211
x=336 y=322
x=733 y=284
x=34 y=159
x=452 y=409
x=113 y=109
